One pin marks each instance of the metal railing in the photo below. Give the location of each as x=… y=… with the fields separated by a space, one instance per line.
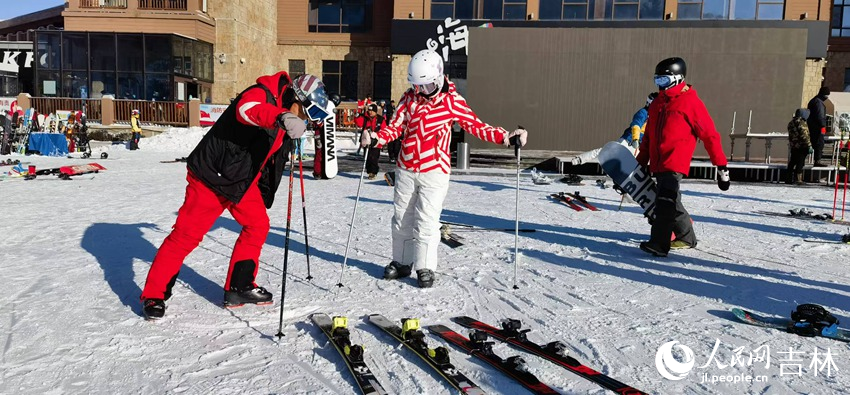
x=49 y=105
x=103 y=3
x=153 y=112
x=169 y=5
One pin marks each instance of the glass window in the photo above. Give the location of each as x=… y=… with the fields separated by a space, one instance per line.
x=743 y=9
x=550 y=9
x=48 y=82
x=625 y=11
x=158 y=54
x=102 y=51
x=771 y=11
x=102 y=83
x=492 y=9
x=177 y=54
x=651 y=9
x=296 y=68
x=464 y=9
x=48 y=50
x=515 y=11
x=340 y=16
x=348 y=84
x=130 y=86
x=715 y=9
x=130 y=54
x=75 y=54
x=75 y=84
x=340 y=77
x=382 y=80
x=205 y=64
x=158 y=87
x=575 y=11
x=846 y=80
x=442 y=10
x=689 y=10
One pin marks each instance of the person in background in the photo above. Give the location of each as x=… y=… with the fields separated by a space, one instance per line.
x=677 y=118
x=631 y=136
x=371 y=122
x=137 y=130
x=237 y=166
x=817 y=124
x=799 y=144
x=425 y=115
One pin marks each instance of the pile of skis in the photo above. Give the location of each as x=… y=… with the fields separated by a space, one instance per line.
x=410 y=335
x=574 y=201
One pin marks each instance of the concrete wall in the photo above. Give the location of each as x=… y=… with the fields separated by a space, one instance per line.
x=575 y=89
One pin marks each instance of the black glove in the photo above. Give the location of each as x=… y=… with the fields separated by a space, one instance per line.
x=723 y=178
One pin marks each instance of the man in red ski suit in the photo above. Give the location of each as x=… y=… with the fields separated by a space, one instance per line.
x=370 y=122
x=424 y=117
x=237 y=166
x=677 y=118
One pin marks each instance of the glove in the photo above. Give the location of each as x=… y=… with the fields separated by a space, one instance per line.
x=635 y=144
x=294 y=126
x=517 y=137
x=368 y=139
x=723 y=178
x=823 y=130
x=811 y=150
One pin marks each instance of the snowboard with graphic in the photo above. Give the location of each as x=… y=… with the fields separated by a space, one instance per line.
x=620 y=164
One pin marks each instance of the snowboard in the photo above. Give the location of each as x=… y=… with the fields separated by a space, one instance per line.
x=620 y=164
x=784 y=324
x=329 y=154
x=67 y=171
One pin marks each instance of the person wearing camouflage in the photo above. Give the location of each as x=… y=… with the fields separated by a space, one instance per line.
x=799 y=145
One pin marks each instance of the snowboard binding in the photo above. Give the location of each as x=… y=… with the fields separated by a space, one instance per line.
x=511 y=328
x=478 y=340
x=845 y=238
x=811 y=320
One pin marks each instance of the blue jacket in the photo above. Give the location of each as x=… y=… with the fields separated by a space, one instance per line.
x=639 y=120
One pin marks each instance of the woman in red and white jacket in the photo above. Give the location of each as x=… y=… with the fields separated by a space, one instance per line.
x=424 y=117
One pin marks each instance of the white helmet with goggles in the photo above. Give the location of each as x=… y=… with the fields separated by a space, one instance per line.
x=310 y=91
x=425 y=73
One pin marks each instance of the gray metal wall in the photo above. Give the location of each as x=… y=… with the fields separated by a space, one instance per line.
x=577 y=88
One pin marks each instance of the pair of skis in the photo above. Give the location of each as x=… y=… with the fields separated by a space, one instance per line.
x=453 y=240
x=410 y=335
x=575 y=201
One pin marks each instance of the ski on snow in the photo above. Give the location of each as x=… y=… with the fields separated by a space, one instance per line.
x=554 y=352
x=413 y=338
x=583 y=200
x=791 y=326
x=561 y=197
x=514 y=366
x=336 y=330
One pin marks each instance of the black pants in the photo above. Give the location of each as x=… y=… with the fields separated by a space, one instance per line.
x=796 y=162
x=670 y=216
x=372 y=160
x=817 y=144
x=393 y=149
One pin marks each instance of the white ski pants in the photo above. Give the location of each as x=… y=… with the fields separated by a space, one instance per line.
x=592 y=155
x=418 y=202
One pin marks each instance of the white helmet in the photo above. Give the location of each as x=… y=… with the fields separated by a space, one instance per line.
x=425 y=72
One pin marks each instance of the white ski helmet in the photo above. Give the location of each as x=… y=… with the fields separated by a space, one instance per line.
x=425 y=72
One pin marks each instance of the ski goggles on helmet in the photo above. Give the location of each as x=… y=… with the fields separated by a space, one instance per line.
x=667 y=81
x=316 y=112
x=426 y=89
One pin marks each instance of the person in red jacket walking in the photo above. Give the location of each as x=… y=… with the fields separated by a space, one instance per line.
x=237 y=166
x=424 y=117
x=371 y=122
x=677 y=118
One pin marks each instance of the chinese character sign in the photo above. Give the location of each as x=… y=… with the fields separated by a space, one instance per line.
x=451 y=36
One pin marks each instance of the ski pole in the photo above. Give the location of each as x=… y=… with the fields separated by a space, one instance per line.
x=353 y=216
x=846 y=170
x=286 y=251
x=304 y=209
x=517 y=152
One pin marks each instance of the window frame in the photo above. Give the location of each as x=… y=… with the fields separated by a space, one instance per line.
x=314 y=25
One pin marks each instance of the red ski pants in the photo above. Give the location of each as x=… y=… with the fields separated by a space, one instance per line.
x=197 y=215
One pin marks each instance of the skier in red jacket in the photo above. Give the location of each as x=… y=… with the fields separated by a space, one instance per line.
x=677 y=118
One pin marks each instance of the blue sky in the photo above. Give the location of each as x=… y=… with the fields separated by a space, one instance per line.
x=14 y=8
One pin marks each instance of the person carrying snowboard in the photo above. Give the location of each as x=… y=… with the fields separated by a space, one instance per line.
x=425 y=114
x=237 y=166
x=631 y=136
x=799 y=144
x=370 y=122
x=137 y=130
x=677 y=118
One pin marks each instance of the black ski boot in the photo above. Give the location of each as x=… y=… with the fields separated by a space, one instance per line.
x=425 y=278
x=252 y=295
x=396 y=270
x=153 y=309
x=645 y=246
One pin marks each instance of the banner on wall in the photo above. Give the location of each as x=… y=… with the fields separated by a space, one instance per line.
x=211 y=112
x=6 y=102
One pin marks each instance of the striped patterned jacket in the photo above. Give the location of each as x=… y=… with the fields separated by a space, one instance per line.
x=426 y=126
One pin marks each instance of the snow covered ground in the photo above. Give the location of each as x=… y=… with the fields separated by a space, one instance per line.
x=75 y=255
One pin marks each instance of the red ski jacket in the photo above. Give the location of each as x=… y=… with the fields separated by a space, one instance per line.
x=677 y=118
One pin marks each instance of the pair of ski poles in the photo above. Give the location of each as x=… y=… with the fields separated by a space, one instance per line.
x=288 y=223
x=837 y=172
